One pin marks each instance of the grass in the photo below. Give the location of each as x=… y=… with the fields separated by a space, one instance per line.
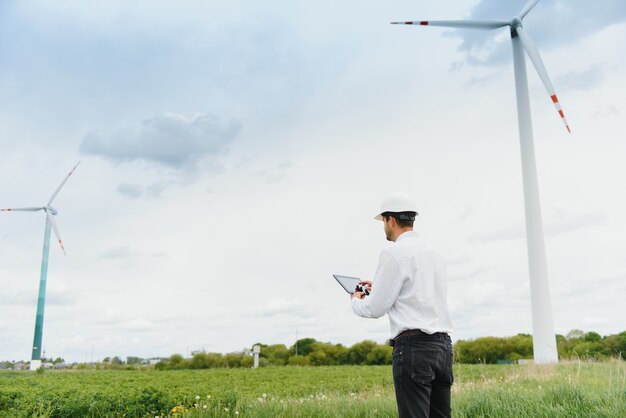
x=565 y=390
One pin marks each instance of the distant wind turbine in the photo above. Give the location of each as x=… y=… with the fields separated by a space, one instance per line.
x=35 y=362
x=544 y=339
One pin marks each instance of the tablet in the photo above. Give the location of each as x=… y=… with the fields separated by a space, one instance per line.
x=347 y=282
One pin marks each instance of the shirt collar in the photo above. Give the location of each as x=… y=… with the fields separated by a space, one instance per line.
x=406 y=234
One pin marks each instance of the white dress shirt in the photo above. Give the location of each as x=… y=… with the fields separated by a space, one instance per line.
x=409 y=286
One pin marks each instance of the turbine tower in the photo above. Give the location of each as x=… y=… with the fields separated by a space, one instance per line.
x=544 y=339
x=35 y=362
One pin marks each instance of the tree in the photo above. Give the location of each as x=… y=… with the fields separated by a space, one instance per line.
x=276 y=354
x=357 y=354
x=199 y=360
x=593 y=337
x=302 y=346
x=381 y=354
x=176 y=361
x=615 y=345
x=318 y=357
x=575 y=334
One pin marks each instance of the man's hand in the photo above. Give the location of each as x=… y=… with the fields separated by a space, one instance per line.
x=359 y=295
x=367 y=284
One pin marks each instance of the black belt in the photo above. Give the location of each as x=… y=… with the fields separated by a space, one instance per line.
x=412 y=333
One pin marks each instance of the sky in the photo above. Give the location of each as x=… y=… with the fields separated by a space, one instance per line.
x=233 y=155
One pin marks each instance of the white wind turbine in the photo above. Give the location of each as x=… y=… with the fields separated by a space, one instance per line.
x=544 y=339
x=35 y=362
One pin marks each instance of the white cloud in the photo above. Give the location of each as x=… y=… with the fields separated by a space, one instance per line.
x=170 y=140
x=559 y=221
x=550 y=23
x=139 y=325
x=293 y=308
x=126 y=252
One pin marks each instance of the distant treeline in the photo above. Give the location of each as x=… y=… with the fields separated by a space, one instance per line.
x=304 y=352
x=308 y=351
x=576 y=344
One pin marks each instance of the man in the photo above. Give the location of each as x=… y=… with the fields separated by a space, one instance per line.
x=410 y=286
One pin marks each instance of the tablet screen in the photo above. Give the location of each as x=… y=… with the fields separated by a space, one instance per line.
x=347 y=282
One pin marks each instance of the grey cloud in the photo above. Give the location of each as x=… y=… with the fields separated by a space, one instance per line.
x=134 y=191
x=168 y=140
x=130 y=190
x=154 y=189
x=581 y=81
x=549 y=23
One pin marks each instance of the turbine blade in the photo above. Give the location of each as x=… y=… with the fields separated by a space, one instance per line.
x=460 y=24
x=534 y=56
x=527 y=8
x=56 y=231
x=20 y=209
x=56 y=192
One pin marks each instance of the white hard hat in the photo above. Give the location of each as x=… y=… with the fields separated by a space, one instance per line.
x=397 y=202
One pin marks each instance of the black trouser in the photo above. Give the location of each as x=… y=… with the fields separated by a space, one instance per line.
x=422 y=375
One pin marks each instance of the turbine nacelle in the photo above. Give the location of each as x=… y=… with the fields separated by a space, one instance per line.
x=515 y=22
x=51 y=210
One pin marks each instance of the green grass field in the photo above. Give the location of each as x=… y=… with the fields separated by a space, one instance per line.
x=566 y=390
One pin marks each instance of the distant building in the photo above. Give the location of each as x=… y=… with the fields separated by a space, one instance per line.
x=60 y=366
x=47 y=365
x=19 y=366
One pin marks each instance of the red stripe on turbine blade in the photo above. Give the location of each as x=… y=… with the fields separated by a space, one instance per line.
x=554 y=99
x=561 y=113
x=424 y=23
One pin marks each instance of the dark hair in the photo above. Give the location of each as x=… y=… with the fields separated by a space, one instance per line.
x=403 y=219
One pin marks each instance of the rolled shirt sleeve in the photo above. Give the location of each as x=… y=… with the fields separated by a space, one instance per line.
x=386 y=286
